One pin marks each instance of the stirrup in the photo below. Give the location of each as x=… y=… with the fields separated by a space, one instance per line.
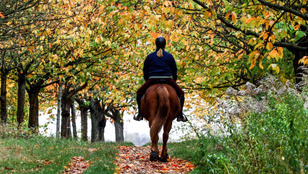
x=182 y=117
x=138 y=117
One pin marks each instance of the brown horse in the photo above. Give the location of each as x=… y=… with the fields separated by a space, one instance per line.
x=160 y=106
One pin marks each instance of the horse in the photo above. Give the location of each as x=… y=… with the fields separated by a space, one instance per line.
x=160 y=106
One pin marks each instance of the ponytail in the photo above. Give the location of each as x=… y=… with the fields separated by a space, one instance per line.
x=160 y=53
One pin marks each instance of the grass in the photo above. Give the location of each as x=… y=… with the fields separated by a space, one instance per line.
x=40 y=154
x=48 y=155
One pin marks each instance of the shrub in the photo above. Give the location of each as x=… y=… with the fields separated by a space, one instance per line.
x=270 y=139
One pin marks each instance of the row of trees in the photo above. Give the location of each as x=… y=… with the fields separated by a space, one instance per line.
x=91 y=52
x=52 y=47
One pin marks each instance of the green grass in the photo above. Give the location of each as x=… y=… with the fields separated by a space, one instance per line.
x=48 y=155
x=184 y=150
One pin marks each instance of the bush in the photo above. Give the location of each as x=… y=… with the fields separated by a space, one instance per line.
x=12 y=131
x=274 y=140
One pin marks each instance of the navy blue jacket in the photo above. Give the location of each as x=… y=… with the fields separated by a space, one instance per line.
x=159 y=66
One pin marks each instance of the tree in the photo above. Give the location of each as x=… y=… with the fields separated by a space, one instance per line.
x=67 y=99
x=228 y=38
x=13 y=21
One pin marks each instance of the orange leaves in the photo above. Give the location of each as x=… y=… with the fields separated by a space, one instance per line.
x=253 y=57
x=233 y=16
x=269 y=46
x=276 y=53
x=303 y=60
x=78 y=165
x=133 y=159
x=1 y=15
x=207 y=14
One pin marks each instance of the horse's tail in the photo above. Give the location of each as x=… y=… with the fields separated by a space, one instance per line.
x=163 y=109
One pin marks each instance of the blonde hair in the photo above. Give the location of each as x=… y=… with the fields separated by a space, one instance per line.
x=160 y=53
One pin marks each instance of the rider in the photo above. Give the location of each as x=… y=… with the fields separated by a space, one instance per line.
x=160 y=65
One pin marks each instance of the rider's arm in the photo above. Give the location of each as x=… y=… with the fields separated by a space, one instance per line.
x=174 y=69
x=146 y=69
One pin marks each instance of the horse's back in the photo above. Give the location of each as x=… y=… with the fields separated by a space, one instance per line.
x=155 y=95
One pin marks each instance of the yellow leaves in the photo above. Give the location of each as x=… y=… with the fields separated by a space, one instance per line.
x=233 y=16
x=274 y=67
x=180 y=13
x=251 y=22
x=252 y=41
x=303 y=60
x=276 y=53
x=192 y=47
x=271 y=38
x=108 y=43
x=199 y=79
x=253 y=58
x=169 y=24
x=269 y=46
x=207 y=14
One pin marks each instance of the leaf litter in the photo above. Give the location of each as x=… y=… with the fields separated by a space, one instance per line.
x=78 y=164
x=136 y=160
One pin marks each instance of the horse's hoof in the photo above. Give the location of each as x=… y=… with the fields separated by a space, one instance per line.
x=154 y=156
x=165 y=159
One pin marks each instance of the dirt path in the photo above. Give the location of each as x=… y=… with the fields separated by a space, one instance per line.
x=135 y=160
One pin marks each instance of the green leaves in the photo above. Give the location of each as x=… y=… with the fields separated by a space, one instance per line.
x=299 y=34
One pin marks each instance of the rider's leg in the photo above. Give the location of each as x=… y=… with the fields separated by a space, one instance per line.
x=181 y=116
x=180 y=92
x=140 y=93
x=139 y=116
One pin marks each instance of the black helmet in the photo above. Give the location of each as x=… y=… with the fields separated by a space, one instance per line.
x=160 y=42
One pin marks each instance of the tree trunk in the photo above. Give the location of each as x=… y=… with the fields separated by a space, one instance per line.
x=94 y=110
x=3 y=97
x=65 y=123
x=21 y=98
x=66 y=105
x=74 y=121
x=84 y=123
x=84 y=116
x=59 y=110
x=34 y=108
x=101 y=126
x=298 y=72
x=299 y=55
x=118 y=125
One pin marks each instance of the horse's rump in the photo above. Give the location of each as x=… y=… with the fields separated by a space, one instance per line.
x=158 y=100
x=162 y=108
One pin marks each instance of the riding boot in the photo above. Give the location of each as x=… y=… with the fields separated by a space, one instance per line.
x=181 y=116
x=139 y=116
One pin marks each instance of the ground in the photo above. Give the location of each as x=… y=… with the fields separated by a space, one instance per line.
x=136 y=159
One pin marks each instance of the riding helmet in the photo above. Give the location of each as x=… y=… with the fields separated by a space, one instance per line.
x=160 y=42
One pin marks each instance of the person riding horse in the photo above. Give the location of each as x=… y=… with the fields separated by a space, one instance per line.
x=160 y=67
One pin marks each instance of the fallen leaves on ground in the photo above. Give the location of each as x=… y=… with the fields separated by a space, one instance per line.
x=78 y=165
x=135 y=159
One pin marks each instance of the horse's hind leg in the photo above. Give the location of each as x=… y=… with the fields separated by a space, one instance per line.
x=154 y=156
x=167 y=128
